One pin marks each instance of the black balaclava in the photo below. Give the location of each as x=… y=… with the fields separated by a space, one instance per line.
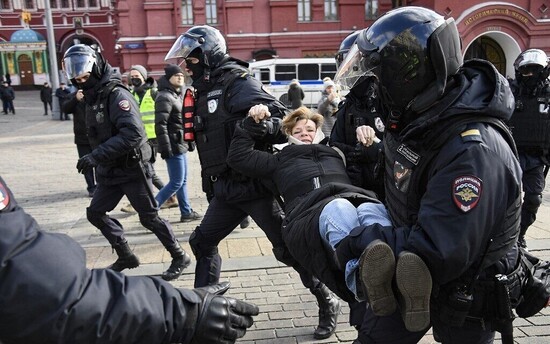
x=88 y=84
x=198 y=68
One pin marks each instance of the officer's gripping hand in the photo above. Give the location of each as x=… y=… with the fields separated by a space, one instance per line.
x=222 y=319
x=257 y=130
x=86 y=163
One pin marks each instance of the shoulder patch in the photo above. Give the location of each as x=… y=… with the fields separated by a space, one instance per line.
x=4 y=197
x=124 y=105
x=467 y=192
x=471 y=135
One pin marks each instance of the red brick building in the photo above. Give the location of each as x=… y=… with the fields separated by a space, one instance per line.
x=142 y=31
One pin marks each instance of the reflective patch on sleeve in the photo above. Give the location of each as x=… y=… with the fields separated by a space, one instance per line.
x=471 y=135
x=467 y=192
x=124 y=105
x=4 y=197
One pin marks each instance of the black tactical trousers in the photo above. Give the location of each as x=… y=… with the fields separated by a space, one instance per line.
x=219 y=221
x=107 y=197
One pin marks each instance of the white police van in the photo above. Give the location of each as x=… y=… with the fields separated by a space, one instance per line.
x=276 y=74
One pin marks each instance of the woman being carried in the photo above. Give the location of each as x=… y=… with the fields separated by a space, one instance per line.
x=322 y=207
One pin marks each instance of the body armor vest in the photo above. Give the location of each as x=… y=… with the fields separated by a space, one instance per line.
x=358 y=113
x=147 y=112
x=407 y=167
x=100 y=128
x=530 y=123
x=214 y=125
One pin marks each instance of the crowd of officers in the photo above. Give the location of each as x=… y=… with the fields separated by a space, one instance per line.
x=450 y=162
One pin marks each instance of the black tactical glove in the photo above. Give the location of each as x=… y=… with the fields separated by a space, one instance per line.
x=222 y=319
x=191 y=146
x=257 y=130
x=86 y=163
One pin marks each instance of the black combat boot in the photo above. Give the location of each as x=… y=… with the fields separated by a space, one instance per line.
x=126 y=258
x=329 y=308
x=180 y=260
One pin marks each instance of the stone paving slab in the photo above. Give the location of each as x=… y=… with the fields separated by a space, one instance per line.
x=38 y=159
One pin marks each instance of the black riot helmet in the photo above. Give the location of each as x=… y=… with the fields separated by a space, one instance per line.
x=82 y=58
x=345 y=46
x=531 y=67
x=411 y=51
x=205 y=38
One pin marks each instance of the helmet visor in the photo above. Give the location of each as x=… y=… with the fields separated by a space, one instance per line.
x=532 y=56
x=78 y=64
x=354 y=66
x=183 y=46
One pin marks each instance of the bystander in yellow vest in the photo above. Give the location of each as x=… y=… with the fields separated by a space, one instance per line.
x=147 y=112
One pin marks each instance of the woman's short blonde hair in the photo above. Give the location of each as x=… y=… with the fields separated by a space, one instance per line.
x=299 y=114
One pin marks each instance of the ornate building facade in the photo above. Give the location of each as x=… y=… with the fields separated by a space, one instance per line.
x=142 y=31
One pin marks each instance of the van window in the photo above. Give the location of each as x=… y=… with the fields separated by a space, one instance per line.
x=264 y=76
x=308 y=71
x=328 y=70
x=285 y=72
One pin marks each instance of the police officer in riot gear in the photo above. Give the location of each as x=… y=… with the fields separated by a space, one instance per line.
x=121 y=156
x=530 y=126
x=452 y=178
x=225 y=92
x=72 y=304
x=360 y=107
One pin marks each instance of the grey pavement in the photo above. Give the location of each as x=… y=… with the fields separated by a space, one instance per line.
x=38 y=159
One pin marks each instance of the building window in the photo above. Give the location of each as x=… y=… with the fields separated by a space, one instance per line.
x=397 y=3
x=331 y=9
x=304 y=10
x=5 y=5
x=187 y=12
x=86 y=4
x=80 y=3
x=371 y=9
x=65 y=4
x=29 y=5
x=211 y=12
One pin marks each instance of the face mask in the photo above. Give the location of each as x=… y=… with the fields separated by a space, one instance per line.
x=530 y=81
x=135 y=82
x=89 y=84
x=197 y=69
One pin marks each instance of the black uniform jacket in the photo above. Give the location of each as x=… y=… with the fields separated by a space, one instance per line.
x=169 y=120
x=47 y=295
x=78 y=109
x=294 y=171
x=471 y=182
x=115 y=131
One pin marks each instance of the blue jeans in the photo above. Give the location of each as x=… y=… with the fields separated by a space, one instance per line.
x=339 y=217
x=177 y=172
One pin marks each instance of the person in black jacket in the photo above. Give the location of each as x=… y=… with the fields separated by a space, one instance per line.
x=46 y=97
x=322 y=207
x=361 y=106
x=225 y=93
x=452 y=177
x=62 y=94
x=530 y=126
x=76 y=105
x=170 y=142
x=7 y=94
x=295 y=94
x=121 y=156
x=72 y=304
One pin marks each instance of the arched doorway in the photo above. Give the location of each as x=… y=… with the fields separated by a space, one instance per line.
x=24 y=63
x=498 y=47
x=488 y=49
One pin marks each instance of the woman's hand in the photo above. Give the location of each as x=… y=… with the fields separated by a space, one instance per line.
x=259 y=112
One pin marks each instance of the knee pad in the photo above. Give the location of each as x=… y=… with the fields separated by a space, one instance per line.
x=200 y=247
x=532 y=202
x=96 y=218
x=151 y=221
